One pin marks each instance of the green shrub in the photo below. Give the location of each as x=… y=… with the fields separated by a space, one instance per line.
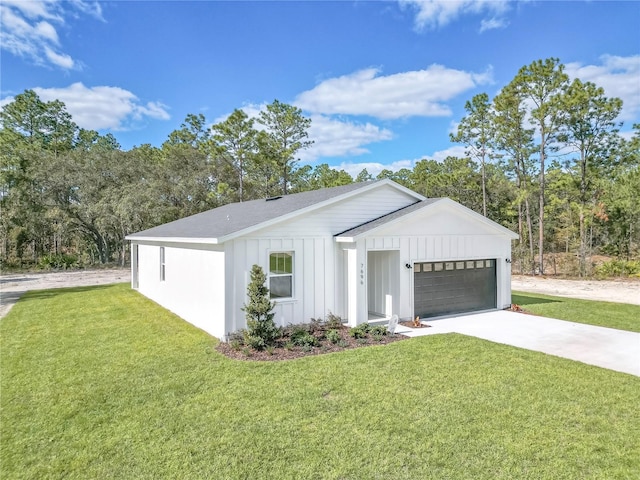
x=303 y=338
x=259 y=312
x=60 y=261
x=618 y=268
x=254 y=341
x=378 y=330
x=333 y=321
x=360 y=331
x=333 y=336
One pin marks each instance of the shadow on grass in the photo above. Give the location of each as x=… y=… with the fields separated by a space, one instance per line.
x=520 y=299
x=54 y=292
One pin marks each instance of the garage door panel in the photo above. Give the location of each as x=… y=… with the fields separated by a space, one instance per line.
x=442 y=288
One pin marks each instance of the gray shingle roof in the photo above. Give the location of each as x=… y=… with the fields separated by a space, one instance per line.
x=365 y=227
x=235 y=217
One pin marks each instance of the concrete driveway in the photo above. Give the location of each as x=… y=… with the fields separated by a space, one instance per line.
x=603 y=347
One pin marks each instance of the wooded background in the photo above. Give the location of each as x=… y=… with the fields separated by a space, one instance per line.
x=544 y=158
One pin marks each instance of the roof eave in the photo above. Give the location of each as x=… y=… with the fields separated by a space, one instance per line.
x=302 y=211
x=202 y=241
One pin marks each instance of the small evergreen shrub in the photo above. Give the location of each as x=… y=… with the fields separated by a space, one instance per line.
x=378 y=330
x=333 y=336
x=261 y=329
x=360 y=331
x=302 y=338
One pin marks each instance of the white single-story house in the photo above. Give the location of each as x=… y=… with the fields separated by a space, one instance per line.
x=362 y=251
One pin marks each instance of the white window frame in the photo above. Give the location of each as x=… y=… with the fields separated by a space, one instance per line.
x=162 y=265
x=271 y=274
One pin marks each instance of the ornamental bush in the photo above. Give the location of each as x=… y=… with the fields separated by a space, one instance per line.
x=261 y=329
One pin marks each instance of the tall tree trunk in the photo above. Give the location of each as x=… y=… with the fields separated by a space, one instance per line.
x=582 y=254
x=484 y=189
x=532 y=262
x=541 y=203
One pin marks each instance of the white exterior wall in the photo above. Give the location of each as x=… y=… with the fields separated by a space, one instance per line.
x=319 y=262
x=343 y=215
x=194 y=285
x=383 y=282
x=441 y=233
x=206 y=284
x=314 y=278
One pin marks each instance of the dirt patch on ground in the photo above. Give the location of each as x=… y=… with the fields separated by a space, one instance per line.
x=13 y=286
x=619 y=291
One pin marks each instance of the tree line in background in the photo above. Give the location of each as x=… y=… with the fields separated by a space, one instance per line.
x=543 y=158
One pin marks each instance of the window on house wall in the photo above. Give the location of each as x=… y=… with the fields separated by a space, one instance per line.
x=281 y=275
x=162 y=269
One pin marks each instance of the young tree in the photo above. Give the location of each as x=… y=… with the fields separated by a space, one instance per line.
x=475 y=132
x=261 y=329
x=514 y=143
x=236 y=144
x=588 y=126
x=541 y=84
x=286 y=134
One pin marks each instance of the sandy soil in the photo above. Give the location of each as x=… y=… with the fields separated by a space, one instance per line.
x=619 y=291
x=13 y=286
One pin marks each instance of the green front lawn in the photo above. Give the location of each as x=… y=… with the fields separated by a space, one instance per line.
x=102 y=383
x=605 y=314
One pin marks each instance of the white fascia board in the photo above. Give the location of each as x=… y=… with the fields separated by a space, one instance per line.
x=203 y=241
x=444 y=200
x=316 y=206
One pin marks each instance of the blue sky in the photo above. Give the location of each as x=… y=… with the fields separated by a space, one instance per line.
x=384 y=82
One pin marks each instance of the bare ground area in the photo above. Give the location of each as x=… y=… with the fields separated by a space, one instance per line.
x=14 y=285
x=619 y=291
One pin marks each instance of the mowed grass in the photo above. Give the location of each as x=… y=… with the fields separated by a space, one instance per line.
x=102 y=383
x=605 y=314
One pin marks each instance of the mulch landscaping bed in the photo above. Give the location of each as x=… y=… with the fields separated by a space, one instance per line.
x=412 y=325
x=282 y=351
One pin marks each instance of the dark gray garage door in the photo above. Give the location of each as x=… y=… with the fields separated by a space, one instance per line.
x=442 y=288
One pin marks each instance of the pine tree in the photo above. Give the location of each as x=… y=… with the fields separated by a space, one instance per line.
x=261 y=329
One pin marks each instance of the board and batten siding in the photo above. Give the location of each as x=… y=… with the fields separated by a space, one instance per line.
x=314 y=278
x=319 y=263
x=442 y=233
x=343 y=215
x=194 y=284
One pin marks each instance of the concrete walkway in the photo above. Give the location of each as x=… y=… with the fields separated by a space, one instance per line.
x=603 y=347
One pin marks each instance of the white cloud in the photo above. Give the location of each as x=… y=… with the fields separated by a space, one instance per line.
x=30 y=29
x=332 y=137
x=338 y=138
x=432 y=14
x=454 y=151
x=100 y=108
x=493 y=23
x=59 y=59
x=406 y=94
x=619 y=76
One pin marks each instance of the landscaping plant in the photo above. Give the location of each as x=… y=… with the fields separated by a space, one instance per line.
x=261 y=329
